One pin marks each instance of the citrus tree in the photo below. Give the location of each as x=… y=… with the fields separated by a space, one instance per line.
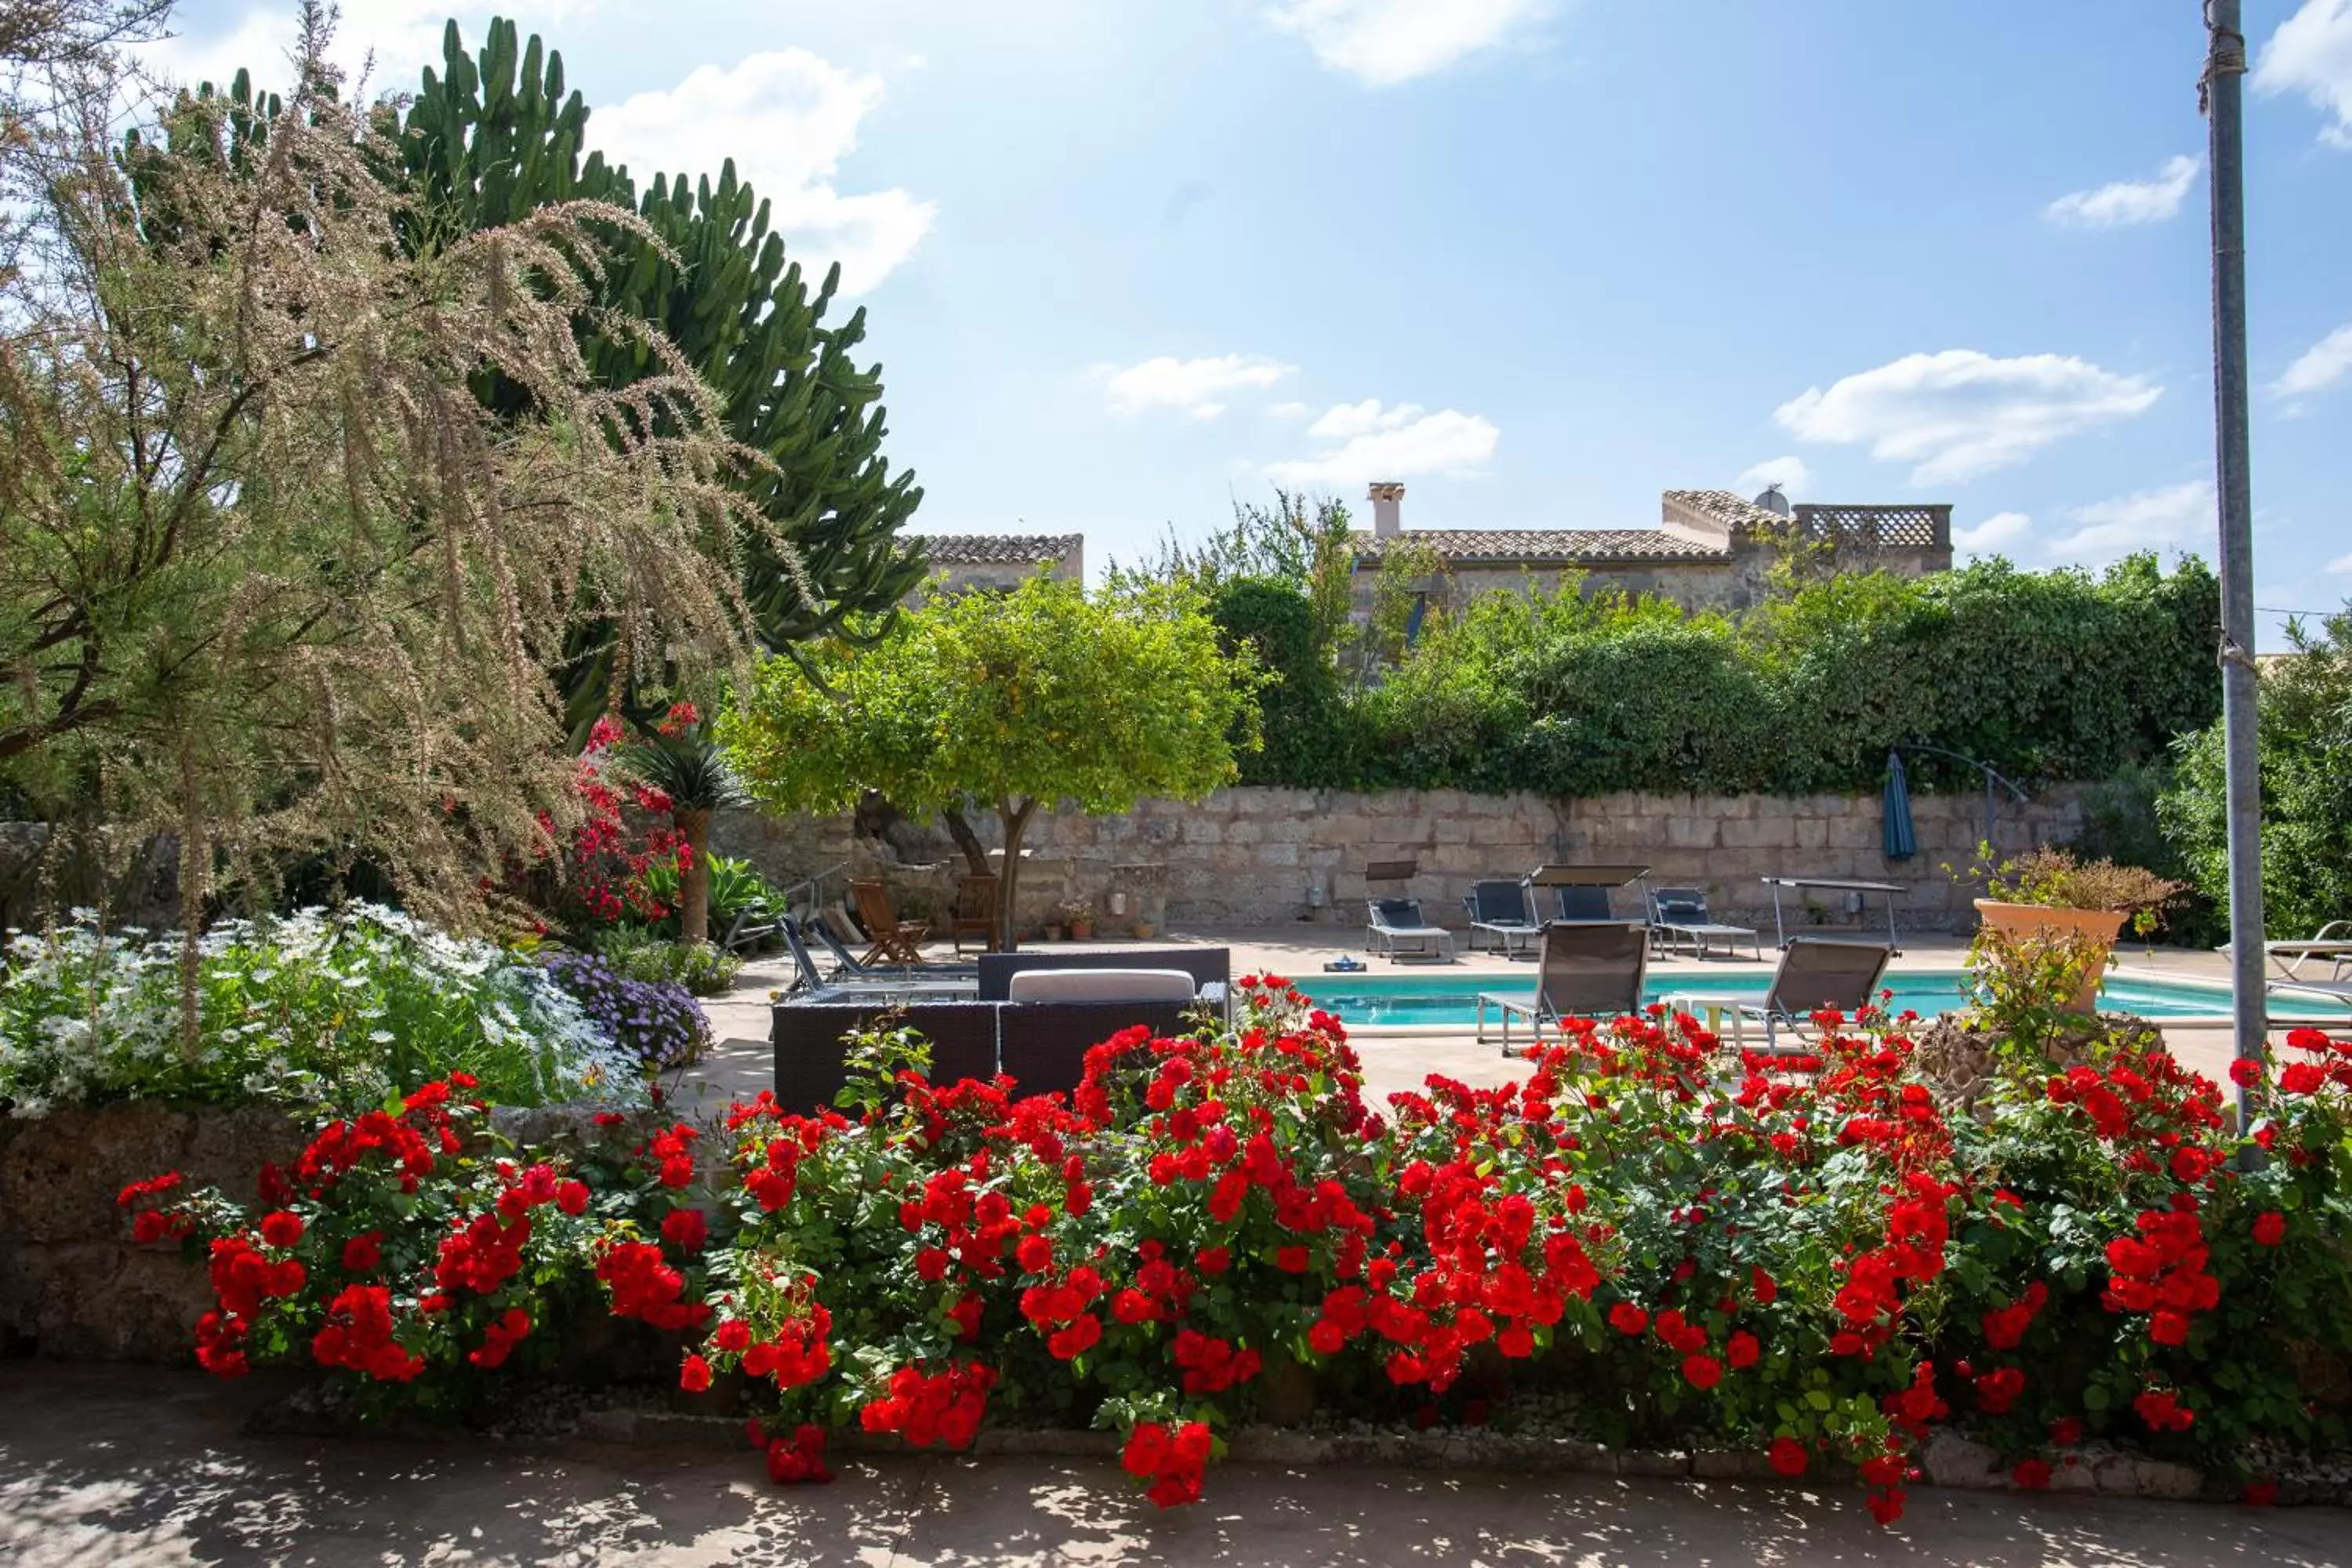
x=1005 y=702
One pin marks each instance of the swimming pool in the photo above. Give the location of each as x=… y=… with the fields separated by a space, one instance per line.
x=1429 y=1001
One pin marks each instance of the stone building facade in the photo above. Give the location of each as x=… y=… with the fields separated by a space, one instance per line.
x=1711 y=549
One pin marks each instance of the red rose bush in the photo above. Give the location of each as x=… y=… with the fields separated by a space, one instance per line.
x=1808 y=1258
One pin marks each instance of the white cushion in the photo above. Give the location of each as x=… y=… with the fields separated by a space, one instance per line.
x=1100 y=986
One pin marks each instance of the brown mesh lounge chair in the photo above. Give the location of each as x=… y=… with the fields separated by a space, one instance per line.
x=895 y=941
x=1585 y=969
x=1815 y=972
x=975 y=912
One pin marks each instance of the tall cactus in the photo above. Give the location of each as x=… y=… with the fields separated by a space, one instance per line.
x=490 y=137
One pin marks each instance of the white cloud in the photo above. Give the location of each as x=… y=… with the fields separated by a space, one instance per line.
x=2342 y=563
x=788 y=118
x=1381 y=43
x=2311 y=53
x=1996 y=533
x=1377 y=443
x=1790 y=473
x=1959 y=414
x=1197 y=386
x=2129 y=201
x=2179 y=514
x=1288 y=411
x=2318 y=367
x=402 y=35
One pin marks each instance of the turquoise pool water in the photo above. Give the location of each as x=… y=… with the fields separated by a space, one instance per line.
x=1394 y=1001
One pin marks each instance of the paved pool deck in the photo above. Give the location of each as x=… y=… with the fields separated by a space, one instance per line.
x=112 y=1466
x=741 y=1065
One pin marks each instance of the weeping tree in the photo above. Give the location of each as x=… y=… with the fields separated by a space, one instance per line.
x=274 y=579
x=493 y=137
x=1006 y=702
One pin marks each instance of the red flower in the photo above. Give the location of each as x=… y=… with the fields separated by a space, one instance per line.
x=1742 y=1349
x=1787 y=1456
x=733 y=1335
x=2245 y=1072
x=685 y=1229
x=1703 y=1371
x=362 y=1253
x=2270 y=1228
x=1291 y=1259
x=1036 y=1253
x=1627 y=1318
x=694 y=1376
x=281 y=1229
x=2033 y=1475
x=1213 y=1259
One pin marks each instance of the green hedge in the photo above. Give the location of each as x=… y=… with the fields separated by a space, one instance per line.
x=2045 y=676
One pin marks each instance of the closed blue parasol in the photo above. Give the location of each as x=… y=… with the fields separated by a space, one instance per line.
x=1902 y=843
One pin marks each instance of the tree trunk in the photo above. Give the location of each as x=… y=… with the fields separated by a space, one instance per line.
x=1015 y=818
x=693 y=877
x=975 y=853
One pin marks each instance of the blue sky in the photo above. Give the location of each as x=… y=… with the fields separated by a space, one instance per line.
x=1539 y=260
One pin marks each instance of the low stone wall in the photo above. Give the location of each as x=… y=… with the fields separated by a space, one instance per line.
x=72 y=1283
x=1265 y=857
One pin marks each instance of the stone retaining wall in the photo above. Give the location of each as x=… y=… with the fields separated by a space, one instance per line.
x=1265 y=857
x=72 y=1283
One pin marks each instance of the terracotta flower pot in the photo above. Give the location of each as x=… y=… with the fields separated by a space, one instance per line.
x=1082 y=931
x=2104 y=925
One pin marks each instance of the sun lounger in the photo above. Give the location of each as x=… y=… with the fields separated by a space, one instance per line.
x=1814 y=973
x=1679 y=916
x=1586 y=968
x=2331 y=945
x=1395 y=920
x=1499 y=908
x=850 y=976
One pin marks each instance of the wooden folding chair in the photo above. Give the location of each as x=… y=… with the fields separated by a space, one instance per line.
x=975 y=912
x=895 y=941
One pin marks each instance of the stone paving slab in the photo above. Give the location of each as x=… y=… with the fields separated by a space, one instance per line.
x=107 y=1467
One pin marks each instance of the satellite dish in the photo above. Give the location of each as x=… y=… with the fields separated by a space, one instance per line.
x=1773 y=501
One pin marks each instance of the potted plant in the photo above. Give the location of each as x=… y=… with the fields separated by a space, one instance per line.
x=2049 y=892
x=1078 y=915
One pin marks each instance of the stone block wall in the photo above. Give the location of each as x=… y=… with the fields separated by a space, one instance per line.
x=1261 y=857
x=72 y=1282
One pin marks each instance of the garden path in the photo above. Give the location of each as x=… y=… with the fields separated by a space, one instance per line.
x=142 y=1467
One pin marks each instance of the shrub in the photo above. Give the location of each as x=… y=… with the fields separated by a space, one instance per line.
x=331 y=1008
x=656 y=1022
x=2305 y=750
x=1806 y=1260
x=2060 y=880
x=2048 y=675
x=634 y=953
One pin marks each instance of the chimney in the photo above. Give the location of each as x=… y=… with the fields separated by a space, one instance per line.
x=1388 y=511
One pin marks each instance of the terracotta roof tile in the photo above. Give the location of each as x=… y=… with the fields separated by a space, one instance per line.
x=996 y=548
x=1728 y=509
x=1547 y=546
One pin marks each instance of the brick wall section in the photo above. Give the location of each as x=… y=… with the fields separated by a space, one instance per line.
x=1250 y=857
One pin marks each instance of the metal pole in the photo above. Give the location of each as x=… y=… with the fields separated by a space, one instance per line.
x=2221 y=92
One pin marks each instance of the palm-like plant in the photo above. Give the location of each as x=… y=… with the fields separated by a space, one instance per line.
x=682 y=762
